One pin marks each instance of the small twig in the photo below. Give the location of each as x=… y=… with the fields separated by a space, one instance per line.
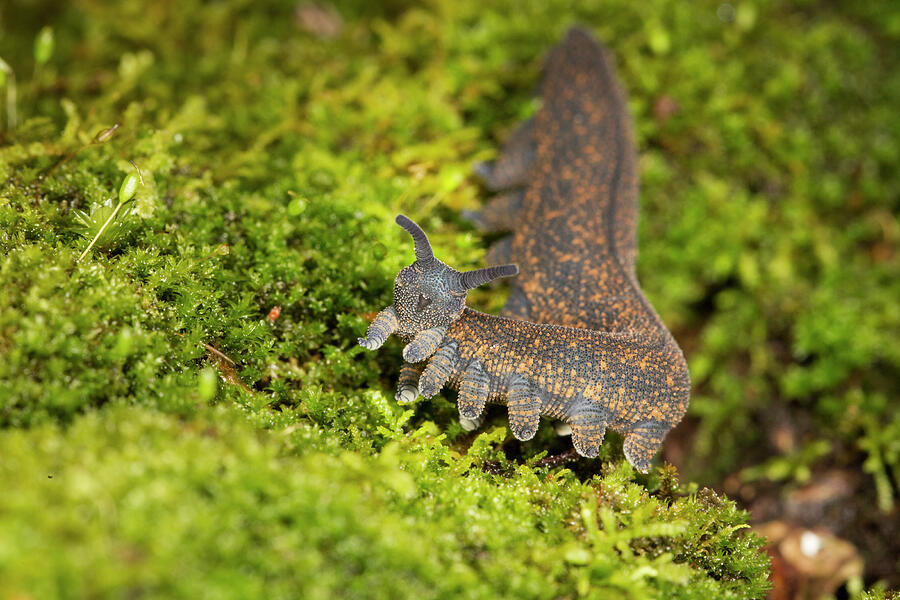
x=216 y=352
x=493 y=467
x=554 y=461
x=228 y=374
x=210 y=348
x=224 y=364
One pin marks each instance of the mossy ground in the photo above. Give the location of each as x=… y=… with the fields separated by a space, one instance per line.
x=138 y=462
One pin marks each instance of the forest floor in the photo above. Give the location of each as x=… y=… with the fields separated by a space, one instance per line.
x=184 y=411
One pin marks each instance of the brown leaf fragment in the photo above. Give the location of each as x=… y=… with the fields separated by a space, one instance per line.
x=808 y=563
x=321 y=20
x=225 y=368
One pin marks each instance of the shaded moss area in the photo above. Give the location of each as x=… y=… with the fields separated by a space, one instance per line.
x=275 y=147
x=128 y=501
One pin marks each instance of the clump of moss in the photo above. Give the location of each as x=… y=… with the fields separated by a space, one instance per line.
x=159 y=506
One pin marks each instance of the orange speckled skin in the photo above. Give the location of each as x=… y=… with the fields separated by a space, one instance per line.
x=574 y=235
x=590 y=379
x=584 y=345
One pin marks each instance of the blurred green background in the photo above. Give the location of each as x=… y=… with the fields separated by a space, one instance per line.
x=276 y=141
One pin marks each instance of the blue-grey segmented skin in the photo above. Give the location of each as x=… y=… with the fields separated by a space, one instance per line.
x=585 y=345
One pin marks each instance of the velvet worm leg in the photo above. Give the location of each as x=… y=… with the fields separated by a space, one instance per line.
x=473 y=391
x=407 y=390
x=562 y=428
x=588 y=422
x=381 y=329
x=512 y=167
x=438 y=370
x=524 y=408
x=642 y=442
x=500 y=252
x=424 y=344
x=471 y=424
x=501 y=213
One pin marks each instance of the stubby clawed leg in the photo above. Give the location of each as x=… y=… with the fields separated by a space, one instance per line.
x=588 y=422
x=512 y=167
x=524 y=408
x=473 y=391
x=407 y=388
x=424 y=344
x=500 y=252
x=471 y=424
x=642 y=442
x=501 y=213
x=562 y=428
x=381 y=329
x=438 y=370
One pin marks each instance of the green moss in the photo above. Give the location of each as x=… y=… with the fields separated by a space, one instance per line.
x=157 y=506
x=273 y=162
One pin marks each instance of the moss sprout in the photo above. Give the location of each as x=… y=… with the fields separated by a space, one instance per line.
x=89 y=222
